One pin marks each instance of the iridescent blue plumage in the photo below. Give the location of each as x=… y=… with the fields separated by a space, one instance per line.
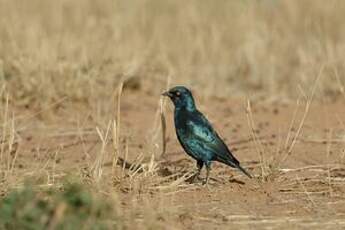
x=196 y=134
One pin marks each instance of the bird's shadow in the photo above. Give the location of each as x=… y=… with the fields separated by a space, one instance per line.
x=235 y=181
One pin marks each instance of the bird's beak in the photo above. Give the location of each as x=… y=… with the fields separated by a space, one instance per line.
x=167 y=94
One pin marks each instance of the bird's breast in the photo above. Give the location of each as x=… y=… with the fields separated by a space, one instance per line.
x=181 y=120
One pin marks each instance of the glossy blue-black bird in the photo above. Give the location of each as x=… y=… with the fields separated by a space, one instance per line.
x=196 y=134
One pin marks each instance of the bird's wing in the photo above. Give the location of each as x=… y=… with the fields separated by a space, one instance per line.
x=204 y=140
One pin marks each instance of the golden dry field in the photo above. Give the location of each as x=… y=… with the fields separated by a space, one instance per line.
x=87 y=141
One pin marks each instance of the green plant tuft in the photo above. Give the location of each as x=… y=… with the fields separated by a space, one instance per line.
x=73 y=207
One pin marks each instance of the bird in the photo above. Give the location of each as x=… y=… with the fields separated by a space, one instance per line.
x=196 y=134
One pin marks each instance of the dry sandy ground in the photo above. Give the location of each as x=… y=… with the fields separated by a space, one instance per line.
x=306 y=190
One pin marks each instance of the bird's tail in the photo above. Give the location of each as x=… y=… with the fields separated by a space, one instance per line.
x=244 y=171
x=235 y=164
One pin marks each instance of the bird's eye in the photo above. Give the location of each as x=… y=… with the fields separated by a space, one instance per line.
x=178 y=94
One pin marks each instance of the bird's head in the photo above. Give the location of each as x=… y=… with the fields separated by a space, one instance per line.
x=181 y=97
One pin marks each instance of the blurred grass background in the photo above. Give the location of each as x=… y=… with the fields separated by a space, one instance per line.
x=83 y=48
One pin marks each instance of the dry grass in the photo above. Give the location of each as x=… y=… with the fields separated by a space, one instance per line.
x=82 y=49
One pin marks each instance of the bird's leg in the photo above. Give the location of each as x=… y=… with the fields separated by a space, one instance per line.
x=208 y=169
x=199 y=164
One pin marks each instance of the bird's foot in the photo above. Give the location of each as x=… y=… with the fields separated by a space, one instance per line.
x=210 y=182
x=206 y=185
x=194 y=179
